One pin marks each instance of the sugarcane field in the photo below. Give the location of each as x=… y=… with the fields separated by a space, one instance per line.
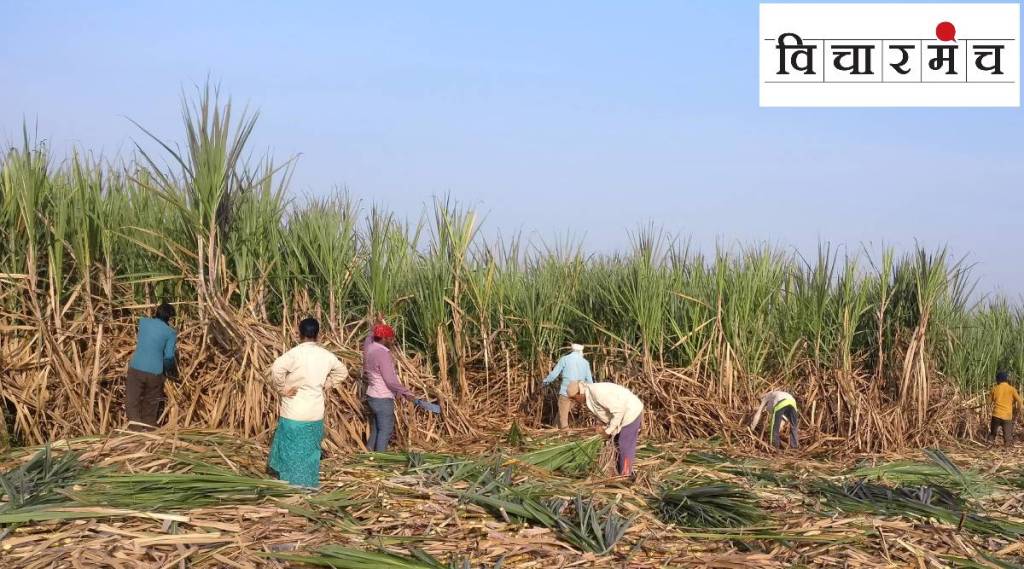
x=890 y=369
x=480 y=286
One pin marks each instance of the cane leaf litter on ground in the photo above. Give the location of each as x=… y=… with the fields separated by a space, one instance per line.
x=481 y=505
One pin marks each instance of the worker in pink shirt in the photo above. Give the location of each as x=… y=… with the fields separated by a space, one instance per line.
x=382 y=384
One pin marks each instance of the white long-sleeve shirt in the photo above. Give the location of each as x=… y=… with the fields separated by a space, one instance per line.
x=311 y=368
x=613 y=404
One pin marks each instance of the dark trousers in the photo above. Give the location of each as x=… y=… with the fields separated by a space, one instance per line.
x=382 y=422
x=789 y=413
x=1006 y=424
x=144 y=393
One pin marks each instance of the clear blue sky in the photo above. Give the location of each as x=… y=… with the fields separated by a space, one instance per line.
x=551 y=117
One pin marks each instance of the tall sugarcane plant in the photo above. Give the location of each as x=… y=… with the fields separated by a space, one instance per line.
x=226 y=238
x=206 y=177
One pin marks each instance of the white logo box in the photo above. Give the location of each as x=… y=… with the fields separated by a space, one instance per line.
x=888 y=55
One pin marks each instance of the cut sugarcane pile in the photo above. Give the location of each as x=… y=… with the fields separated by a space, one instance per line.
x=201 y=499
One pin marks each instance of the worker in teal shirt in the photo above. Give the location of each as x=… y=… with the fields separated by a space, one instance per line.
x=572 y=367
x=152 y=361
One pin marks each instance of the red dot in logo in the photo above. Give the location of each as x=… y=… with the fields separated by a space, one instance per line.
x=945 y=31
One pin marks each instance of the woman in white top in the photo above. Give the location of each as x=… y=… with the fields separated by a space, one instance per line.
x=301 y=375
x=619 y=410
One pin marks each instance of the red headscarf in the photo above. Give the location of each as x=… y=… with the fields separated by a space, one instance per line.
x=383 y=331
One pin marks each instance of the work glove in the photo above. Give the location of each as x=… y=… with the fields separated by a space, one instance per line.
x=428 y=406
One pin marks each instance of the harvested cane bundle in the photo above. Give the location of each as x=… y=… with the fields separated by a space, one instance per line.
x=594 y=528
x=608 y=459
x=455 y=470
x=921 y=503
x=440 y=467
x=151 y=491
x=752 y=469
x=38 y=480
x=717 y=505
x=702 y=457
x=348 y=558
x=573 y=458
x=940 y=472
x=585 y=524
x=395 y=459
x=986 y=561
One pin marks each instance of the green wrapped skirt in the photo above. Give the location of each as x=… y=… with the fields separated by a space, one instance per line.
x=295 y=452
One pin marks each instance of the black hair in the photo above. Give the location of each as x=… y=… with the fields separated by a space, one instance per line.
x=309 y=328
x=165 y=312
x=1002 y=376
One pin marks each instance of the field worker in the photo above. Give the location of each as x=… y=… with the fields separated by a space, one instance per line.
x=152 y=361
x=301 y=375
x=619 y=410
x=382 y=384
x=572 y=367
x=1005 y=401
x=782 y=405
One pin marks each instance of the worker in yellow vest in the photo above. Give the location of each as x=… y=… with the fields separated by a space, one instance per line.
x=781 y=406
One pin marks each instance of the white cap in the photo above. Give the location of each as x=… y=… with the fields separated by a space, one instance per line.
x=577 y=347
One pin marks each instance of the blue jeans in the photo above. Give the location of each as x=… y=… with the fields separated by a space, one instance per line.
x=382 y=422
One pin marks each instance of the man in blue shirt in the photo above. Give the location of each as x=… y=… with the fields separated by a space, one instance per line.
x=152 y=360
x=572 y=367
